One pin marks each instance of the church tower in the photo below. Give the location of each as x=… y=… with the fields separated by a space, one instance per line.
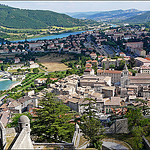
x=124 y=77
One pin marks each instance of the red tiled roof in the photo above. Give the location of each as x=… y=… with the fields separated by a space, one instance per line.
x=94 y=61
x=100 y=56
x=122 y=53
x=53 y=79
x=4 y=106
x=109 y=71
x=93 y=54
x=41 y=79
x=147 y=58
x=88 y=65
x=145 y=67
x=89 y=61
x=87 y=70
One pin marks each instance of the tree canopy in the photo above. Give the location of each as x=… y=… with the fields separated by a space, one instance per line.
x=52 y=121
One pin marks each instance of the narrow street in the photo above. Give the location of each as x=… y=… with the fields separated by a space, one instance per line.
x=100 y=51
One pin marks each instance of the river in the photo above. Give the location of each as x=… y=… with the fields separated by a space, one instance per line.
x=114 y=25
x=51 y=36
x=62 y=35
x=6 y=84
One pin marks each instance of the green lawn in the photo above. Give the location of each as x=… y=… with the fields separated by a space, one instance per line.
x=19 y=34
x=27 y=82
x=15 y=70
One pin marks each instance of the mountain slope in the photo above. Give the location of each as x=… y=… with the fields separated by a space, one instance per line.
x=109 y=15
x=22 y=18
x=143 y=18
x=81 y=15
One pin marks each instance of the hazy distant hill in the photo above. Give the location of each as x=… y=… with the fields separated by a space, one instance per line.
x=23 y=18
x=143 y=18
x=109 y=15
x=81 y=15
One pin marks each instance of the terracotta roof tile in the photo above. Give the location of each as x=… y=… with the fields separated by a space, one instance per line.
x=109 y=71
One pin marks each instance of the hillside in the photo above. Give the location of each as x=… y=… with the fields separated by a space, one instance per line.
x=143 y=18
x=24 y=19
x=81 y=15
x=109 y=15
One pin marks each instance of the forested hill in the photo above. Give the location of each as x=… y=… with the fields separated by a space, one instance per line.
x=23 y=18
x=143 y=18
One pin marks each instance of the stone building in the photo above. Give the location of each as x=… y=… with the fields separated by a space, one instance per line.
x=114 y=74
x=124 y=77
x=139 y=61
x=140 y=79
x=144 y=69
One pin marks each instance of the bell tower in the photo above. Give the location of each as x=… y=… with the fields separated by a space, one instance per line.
x=124 y=77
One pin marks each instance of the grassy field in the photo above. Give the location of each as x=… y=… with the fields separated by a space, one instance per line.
x=15 y=70
x=19 y=34
x=53 y=27
x=13 y=29
x=53 y=62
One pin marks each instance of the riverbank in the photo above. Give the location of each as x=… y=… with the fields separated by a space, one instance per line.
x=45 y=35
x=6 y=84
x=53 y=36
x=13 y=85
x=4 y=79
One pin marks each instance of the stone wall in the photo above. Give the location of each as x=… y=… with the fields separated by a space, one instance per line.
x=66 y=146
x=3 y=134
x=120 y=126
x=146 y=143
x=23 y=141
x=76 y=136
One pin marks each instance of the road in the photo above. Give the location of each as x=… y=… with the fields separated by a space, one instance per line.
x=98 y=50
x=105 y=50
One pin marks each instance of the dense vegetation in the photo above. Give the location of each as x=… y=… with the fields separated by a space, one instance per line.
x=23 y=19
x=52 y=122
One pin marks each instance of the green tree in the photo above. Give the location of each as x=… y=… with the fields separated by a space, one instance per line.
x=52 y=121
x=137 y=133
x=103 y=66
x=133 y=71
x=131 y=63
x=18 y=70
x=112 y=66
x=29 y=70
x=95 y=68
x=137 y=124
x=121 y=65
x=134 y=116
x=36 y=70
x=91 y=126
x=3 y=68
